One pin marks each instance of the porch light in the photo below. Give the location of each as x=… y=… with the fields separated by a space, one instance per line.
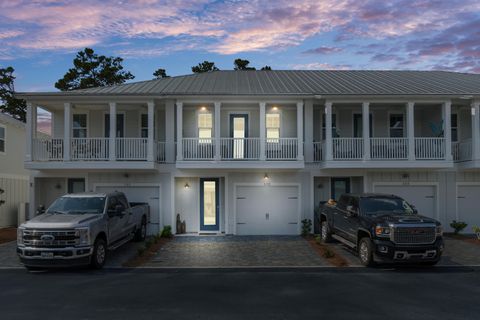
x=186 y=186
x=266 y=177
x=275 y=108
x=203 y=108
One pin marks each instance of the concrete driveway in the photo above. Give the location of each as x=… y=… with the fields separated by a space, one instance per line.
x=237 y=251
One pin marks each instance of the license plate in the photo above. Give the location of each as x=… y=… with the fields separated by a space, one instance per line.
x=47 y=254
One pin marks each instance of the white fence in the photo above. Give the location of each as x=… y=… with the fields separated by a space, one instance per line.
x=131 y=148
x=281 y=149
x=198 y=148
x=430 y=148
x=389 y=148
x=47 y=149
x=89 y=149
x=240 y=148
x=347 y=148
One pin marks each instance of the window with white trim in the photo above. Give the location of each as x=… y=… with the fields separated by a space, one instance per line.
x=2 y=139
x=334 y=126
x=144 y=125
x=396 y=125
x=272 y=124
x=205 y=127
x=454 y=126
x=79 y=126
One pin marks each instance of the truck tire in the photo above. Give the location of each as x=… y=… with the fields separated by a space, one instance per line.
x=141 y=233
x=365 y=252
x=325 y=232
x=99 y=255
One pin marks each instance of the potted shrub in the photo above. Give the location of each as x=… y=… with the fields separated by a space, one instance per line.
x=476 y=229
x=458 y=226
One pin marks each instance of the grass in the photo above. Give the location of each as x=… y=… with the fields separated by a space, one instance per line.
x=326 y=251
x=8 y=235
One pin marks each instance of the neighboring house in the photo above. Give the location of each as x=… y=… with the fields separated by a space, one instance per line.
x=254 y=152
x=14 y=178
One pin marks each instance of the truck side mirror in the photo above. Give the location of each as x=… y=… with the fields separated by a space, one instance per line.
x=118 y=209
x=352 y=211
x=41 y=209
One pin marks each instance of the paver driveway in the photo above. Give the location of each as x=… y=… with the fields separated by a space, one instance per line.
x=237 y=251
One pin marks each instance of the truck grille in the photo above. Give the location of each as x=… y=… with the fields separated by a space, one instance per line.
x=413 y=235
x=50 y=238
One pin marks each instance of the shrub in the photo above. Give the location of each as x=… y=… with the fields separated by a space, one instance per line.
x=476 y=229
x=318 y=239
x=306 y=227
x=166 y=232
x=458 y=226
x=328 y=253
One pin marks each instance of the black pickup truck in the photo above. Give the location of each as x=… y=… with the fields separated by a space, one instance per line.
x=381 y=228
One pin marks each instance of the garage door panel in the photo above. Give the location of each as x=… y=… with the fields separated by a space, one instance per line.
x=423 y=197
x=467 y=204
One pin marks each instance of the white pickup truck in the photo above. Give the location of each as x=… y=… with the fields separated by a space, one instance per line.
x=78 y=229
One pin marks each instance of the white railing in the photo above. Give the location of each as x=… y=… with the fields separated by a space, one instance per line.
x=131 y=148
x=347 y=148
x=89 y=149
x=47 y=149
x=462 y=150
x=240 y=148
x=430 y=148
x=389 y=148
x=318 y=151
x=159 y=151
x=281 y=149
x=198 y=148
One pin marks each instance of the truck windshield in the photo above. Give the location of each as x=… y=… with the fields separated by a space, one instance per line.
x=384 y=206
x=73 y=205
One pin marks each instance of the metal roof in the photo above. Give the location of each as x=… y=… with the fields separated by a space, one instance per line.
x=297 y=82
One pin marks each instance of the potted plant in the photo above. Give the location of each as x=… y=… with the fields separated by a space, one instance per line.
x=476 y=229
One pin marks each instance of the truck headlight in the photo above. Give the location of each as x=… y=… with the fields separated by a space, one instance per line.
x=83 y=235
x=382 y=231
x=439 y=231
x=20 y=236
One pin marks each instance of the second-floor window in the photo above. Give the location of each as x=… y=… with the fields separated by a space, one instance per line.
x=273 y=127
x=144 y=126
x=2 y=139
x=396 y=125
x=334 y=126
x=79 y=126
x=454 y=124
x=205 y=127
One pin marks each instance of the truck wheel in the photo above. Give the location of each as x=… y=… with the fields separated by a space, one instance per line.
x=99 y=255
x=365 y=252
x=325 y=232
x=141 y=233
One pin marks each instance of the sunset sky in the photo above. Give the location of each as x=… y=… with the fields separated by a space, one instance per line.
x=40 y=38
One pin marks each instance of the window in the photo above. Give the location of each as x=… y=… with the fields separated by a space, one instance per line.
x=205 y=124
x=79 y=125
x=144 y=126
x=2 y=139
x=273 y=127
x=396 y=125
x=454 y=124
x=334 y=126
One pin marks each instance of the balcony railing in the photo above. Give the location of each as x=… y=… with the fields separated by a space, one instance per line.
x=160 y=151
x=318 y=151
x=347 y=148
x=240 y=148
x=47 y=149
x=131 y=148
x=198 y=148
x=389 y=148
x=430 y=148
x=281 y=149
x=91 y=149
x=462 y=150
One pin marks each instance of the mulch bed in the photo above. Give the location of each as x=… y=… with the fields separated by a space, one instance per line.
x=462 y=237
x=143 y=257
x=8 y=234
x=327 y=252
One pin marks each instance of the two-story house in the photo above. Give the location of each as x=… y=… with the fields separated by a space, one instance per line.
x=253 y=152
x=14 y=177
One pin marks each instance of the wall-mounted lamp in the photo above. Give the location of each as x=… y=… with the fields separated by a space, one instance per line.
x=186 y=186
x=203 y=108
x=266 y=177
x=58 y=186
x=275 y=108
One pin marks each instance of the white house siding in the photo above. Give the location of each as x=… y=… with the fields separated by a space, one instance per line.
x=16 y=192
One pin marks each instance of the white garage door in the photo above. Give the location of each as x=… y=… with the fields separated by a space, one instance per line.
x=422 y=197
x=141 y=194
x=267 y=210
x=467 y=205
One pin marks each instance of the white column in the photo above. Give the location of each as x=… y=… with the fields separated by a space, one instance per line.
x=366 y=130
x=170 y=131
x=328 y=131
x=475 y=111
x=151 y=132
x=29 y=142
x=217 y=130
x=179 y=131
x=113 y=131
x=411 y=130
x=308 y=131
x=300 y=155
x=262 y=131
x=67 y=130
x=447 y=129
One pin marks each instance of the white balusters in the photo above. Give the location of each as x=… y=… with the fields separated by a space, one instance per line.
x=47 y=149
x=89 y=149
x=430 y=148
x=347 y=148
x=389 y=148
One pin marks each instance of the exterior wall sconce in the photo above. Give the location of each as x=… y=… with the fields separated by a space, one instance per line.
x=266 y=179
x=275 y=108
x=203 y=108
x=186 y=186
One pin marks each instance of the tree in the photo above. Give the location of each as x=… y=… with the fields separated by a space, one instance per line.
x=160 y=73
x=240 y=64
x=266 y=68
x=17 y=108
x=91 y=70
x=205 y=66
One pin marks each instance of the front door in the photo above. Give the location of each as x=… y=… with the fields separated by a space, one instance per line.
x=238 y=131
x=339 y=186
x=209 y=204
x=76 y=185
x=120 y=125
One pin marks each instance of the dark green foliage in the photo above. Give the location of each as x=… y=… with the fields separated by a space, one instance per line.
x=458 y=226
x=160 y=74
x=205 y=66
x=17 y=108
x=266 y=68
x=306 y=227
x=91 y=70
x=240 y=64
x=328 y=253
x=167 y=232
